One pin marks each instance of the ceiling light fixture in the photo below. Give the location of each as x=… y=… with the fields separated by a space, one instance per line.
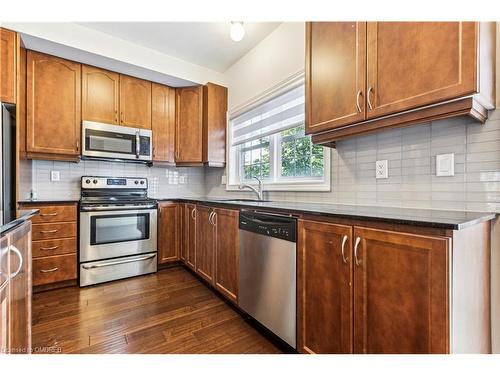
x=237 y=31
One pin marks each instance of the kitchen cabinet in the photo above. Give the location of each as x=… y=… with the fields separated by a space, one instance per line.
x=8 y=62
x=325 y=288
x=189 y=126
x=227 y=244
x=135 y=102
x=169 y=232
x=15 y=290
x=415 y=72
x=100 y=95
x=214 y=125
x=190 y=235
x=53 y=107
x=163 y=123
x=205 y=243
x=336 y=67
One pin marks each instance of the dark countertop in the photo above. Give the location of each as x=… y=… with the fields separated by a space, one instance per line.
x=48 y=201
x=23 y=215
x=455 y=220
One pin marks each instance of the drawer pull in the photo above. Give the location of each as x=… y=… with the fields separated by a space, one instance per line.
x=49 y=248
x=49 y=231
x=51 y=214
x=51 y=270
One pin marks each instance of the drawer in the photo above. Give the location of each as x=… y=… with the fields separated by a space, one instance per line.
x=53 y=269
x=53 y=231
x=53 y=213
x=53 y=247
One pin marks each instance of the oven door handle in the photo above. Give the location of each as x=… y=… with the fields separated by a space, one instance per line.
x=117 y=208
x=99 y=265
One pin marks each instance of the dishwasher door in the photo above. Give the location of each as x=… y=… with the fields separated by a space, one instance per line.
x=267 y=289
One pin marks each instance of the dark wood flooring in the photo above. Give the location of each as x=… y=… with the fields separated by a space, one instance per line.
x=167 y=312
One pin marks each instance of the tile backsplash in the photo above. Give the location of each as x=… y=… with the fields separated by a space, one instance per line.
x=411 y=154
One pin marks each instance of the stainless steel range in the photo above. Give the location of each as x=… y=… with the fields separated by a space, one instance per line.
x=117 y=229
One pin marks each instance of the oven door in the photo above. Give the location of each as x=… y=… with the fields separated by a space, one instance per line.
x=116 y=142
x=111 y=234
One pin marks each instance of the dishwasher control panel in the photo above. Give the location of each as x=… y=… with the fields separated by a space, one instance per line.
x=269 y=224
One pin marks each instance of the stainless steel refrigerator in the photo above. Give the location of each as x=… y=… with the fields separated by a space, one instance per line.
x=7 y=163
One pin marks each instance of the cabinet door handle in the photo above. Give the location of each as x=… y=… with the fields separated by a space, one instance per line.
x=51 y=214
x=49 y=231
x=193 y=213
x=77 y=145
x=344 y=240
x=358 y=106
x=210 y=218
x=370 y=89
x=214 y=218
x=358 y=262
x=16 y=251
x=49 y=248
x=50 y=270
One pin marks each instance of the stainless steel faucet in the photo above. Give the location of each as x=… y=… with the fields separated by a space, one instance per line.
x=259 y=191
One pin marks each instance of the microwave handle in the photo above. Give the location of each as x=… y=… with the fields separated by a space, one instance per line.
x=137 y=144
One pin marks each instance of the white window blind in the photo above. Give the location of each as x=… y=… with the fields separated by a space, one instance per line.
x=284 y=112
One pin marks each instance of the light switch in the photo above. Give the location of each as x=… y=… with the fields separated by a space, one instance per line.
x=55 y=176
x=445 y=165
x=381 y=169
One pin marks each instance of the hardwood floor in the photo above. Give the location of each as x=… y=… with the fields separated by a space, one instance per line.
x=167 y=312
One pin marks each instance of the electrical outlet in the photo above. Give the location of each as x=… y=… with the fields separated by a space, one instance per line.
x=381 y=169
x=445 y=165
x=55 y=176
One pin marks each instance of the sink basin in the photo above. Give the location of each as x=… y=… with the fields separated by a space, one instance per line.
x=242 y=200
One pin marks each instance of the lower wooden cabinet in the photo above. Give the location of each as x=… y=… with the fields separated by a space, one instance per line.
x=169 y=232
x=189 y=235
x=205 y=243
x=53 y=269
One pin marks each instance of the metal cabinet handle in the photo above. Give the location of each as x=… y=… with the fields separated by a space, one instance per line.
x=51 y=270
x=370 y=89
x=214 y=219
x=210 y=217
x=51 y=214
x=16 y=251
x=114 y=263
x=193 y=213
x=49 y=231
x=358 y=106
x=358 y=262
x=344 y=240
x=49 y=248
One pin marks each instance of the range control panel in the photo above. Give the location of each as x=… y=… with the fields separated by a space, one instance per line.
x=92 y=182
x=269 y=224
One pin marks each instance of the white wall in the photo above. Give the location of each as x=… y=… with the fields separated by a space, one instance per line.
x=274 y=59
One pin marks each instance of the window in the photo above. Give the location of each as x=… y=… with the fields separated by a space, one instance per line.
x=268 y=141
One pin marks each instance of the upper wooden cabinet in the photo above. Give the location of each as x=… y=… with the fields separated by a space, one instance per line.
x=100 y=95
x=135 y=102
x=53 y=107
x=189 y=126
x=163 y=123
x=169 y=232
x=415 y=72
x=336 y=74
x=8 y=66
x=214 y=125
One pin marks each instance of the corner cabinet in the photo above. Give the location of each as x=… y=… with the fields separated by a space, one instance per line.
x=53 y=107
x=100 y=95
x=189 y=126
x=214 y=125
x=169 y=232
x=388 y=74
x=8 y=62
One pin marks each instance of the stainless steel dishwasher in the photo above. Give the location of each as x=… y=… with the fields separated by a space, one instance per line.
x=267 y=289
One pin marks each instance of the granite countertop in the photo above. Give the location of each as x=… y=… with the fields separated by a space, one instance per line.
x=455 y=220
x=23 y=215
x=48 y=201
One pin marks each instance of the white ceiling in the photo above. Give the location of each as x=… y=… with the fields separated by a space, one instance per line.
x=203 y=43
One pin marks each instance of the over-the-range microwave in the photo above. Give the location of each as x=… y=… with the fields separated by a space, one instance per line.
x=106 y=141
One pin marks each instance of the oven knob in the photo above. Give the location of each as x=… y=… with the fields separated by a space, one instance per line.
x=136 y=182
x=94 y=181
x=87 y=181
x=142 y=182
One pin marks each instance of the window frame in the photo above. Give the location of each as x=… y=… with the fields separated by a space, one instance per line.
x=277 y=183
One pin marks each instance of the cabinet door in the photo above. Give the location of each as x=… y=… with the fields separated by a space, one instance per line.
x=4 y=295
x=190 y=235
x=401 y=295
x=226 y=252
x=168 y=233
x=7 y=66
x=163 y=123
x=135 y=102
x=182 y=233
x=188 y=140
x=100 y=95
x=214 y=124
x=53 y=105
x=413 y=64
x=335 y=74
x=324 y=288
x=205 y=243
x=20 y=289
